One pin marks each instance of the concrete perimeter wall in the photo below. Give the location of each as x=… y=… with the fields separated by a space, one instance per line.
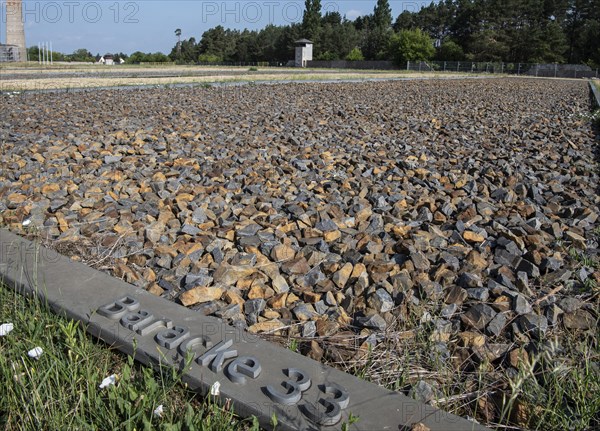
x=343 y=64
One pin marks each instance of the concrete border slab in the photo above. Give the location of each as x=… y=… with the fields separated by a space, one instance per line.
x=260 y=378
x=595 y=93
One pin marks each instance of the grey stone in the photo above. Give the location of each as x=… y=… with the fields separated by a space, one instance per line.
x=420 y=261
x=533 y=325
x=497 y=324
x=469 y=280
x=422 y=391
x=112 y=159
x=229 y=312
x=207 y=308
x=313 y=277
x=559 y=276
x=455 y=295
x=243 y=259
x=249 y=230
x=254 y=306
x=449 y=310
x=478 y=316
x=550 y=264
x=450 y=260
x=570 y=304
x=304 y=311
x=504 y=257
x=529 y=268
x=552 y=313
x=374 y=321
x=381 y=301
x=520 y=304
x=480 y=293
x=309 y=329
x=326 y=225
x=193 y=280
x=320 y=307
x=190 y=230
x=199 y=216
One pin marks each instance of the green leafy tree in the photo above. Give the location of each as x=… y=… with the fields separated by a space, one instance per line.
x=337 y=37
x=82 y=55
x=355 y=55
x=411 y=45
x=450 y=51
x=405 y=21
x=141 y=57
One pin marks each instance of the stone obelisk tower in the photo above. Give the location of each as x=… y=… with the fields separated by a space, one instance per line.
x=15 y=28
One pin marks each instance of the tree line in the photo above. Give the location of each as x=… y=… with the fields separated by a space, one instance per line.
x=525 y=31
x=85 y=56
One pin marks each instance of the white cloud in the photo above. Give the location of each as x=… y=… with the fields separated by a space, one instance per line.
x=352 y=14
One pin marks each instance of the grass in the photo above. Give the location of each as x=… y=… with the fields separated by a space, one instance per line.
x=60 y=390
x=37 y=79
x=554 y=386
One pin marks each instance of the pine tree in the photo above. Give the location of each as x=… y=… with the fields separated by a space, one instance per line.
x=382 y=15
x=311 y=20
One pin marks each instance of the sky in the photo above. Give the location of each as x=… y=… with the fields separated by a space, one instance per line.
x=110 y=26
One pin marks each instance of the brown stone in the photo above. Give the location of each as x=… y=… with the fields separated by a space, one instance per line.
x=230 y=274
x=315 y=351
x=233 y=298
x=200 y=294
x=50 y=188
x=340 y=278
x=311 y=297
x=579 y=319
x=155 y=289
x=277 y=301
x=282 y=253
x=269 y=326
x=471 y=339
x=473 y=237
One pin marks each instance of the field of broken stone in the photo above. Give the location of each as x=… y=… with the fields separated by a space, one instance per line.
x=436 y=237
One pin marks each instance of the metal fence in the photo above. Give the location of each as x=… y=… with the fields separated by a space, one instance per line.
x=551 y=70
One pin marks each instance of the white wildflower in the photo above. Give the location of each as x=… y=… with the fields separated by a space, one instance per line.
x=35 y=353
x=110 y=380
x=5 y=329
x=158 y=412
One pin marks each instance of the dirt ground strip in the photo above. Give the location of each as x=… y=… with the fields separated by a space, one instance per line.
x=51 y=78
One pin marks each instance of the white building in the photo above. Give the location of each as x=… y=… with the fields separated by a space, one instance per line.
x=304 y=52
x=107 y=60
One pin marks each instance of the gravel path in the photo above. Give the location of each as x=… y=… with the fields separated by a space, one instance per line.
x=325 y=209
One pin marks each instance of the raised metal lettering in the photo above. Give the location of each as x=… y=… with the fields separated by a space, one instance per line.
x=191 y=344
x=240 y=368
x=333 y=406
x=294 y=387
x=215 y=357
x=133 y=321
x=154 y=326
x=331 y=415
x=173 y=337
x=116 y=310
x=293 y=395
